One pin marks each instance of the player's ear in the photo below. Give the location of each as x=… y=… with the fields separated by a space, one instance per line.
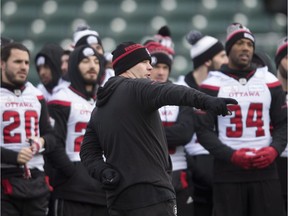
x=2 y=65
x=208 y=63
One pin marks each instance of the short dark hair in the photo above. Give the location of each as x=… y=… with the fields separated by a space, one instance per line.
x=5 y=40
x=6 y=50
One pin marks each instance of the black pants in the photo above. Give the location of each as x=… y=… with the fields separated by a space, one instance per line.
x=282 y=171
x=167 y=208
x=24 y=207
x=72 y=208
x=261 y=198
x=24 y=197
x=185 y=205
x=183 y=187
x=202 y=178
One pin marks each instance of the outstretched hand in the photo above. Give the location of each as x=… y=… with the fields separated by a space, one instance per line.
x=218 y=106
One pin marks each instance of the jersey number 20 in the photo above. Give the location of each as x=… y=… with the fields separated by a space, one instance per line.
x=30 y=117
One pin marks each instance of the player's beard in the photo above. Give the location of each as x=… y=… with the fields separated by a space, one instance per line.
x=213 y=67
x=90 y=82
x=240 y=64
x=11 y=77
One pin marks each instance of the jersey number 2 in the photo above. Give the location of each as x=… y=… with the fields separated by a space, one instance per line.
x=79 y=127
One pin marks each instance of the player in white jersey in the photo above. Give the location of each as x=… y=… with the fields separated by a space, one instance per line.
x=281 y=60
x=86 y=36
x=207 y=53
x=76 y=192
x=26 y=133
x=48 y=66
x=246 y=180
x=178 y=131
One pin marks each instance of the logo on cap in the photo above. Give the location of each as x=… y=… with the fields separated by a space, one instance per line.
x=249 y=36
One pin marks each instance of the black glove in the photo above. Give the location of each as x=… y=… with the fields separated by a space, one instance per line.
x=219 y=105
x=110 y=179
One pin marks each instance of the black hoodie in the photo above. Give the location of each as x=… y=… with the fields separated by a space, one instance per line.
x=76 y=79
x=126 y=125
x=72 y=181
x=52 y=54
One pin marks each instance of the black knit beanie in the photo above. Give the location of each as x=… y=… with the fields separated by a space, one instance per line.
x=88 y=40
x=128 y=54
x=203 y=48
x=86 y=36
x=235 y=32
x=159 y=53
x=163 y=58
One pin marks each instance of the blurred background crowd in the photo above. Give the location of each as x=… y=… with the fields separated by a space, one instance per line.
x=36 y=22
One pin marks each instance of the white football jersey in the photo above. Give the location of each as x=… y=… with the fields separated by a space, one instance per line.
x=193 y=147
x=47 y=95
x=168 y=115
x=108 y=74
x=249 y=124
x=80 y=112
x=20 y=114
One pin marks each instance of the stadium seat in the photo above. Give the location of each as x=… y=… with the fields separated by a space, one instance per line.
x=138 y=22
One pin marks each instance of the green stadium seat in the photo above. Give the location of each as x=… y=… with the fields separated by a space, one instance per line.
x=58 y=24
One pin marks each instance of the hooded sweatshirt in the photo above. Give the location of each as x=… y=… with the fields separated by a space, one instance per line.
x=127 y=127
x=52 y=54
x=71 y=109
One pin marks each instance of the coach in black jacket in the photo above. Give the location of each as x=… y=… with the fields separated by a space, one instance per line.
x=126 y=126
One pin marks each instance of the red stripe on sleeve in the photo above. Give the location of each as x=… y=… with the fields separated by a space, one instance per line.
x=58 y=102
x=274 y=84
x=210 y=87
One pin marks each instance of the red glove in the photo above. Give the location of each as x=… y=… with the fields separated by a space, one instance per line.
x=264 y=157
x=242 y=159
